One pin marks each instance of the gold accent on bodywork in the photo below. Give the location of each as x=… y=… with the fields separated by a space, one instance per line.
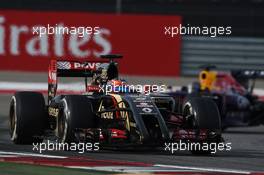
x=53 y=112
x=121 y=104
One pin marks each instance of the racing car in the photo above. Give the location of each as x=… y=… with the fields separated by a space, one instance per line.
x=233 y=92
x=120 y=118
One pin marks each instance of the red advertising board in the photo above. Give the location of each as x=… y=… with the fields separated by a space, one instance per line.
x=140 y=38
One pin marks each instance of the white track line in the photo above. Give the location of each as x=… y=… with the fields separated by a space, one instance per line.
x=204 y=169
x=131 y=169
x=30 y=154
x=128 y=169
x=78 y=86
x=5 y=156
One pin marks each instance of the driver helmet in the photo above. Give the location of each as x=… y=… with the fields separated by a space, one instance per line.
x=118 y=85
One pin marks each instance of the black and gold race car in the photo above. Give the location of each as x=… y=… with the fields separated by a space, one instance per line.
x=120 y=117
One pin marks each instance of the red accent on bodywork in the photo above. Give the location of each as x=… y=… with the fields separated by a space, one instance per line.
x=189 y=134
x=52 y=74
x=225 y=82
x=118 y=134
x=116 y=106
x=176 y=119
x=93 y=88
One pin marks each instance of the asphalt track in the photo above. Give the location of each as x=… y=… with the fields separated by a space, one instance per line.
x=247 y=151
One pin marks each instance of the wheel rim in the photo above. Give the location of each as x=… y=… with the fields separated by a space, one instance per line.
x=63 y=123
x=13 y=119
x=61 y=126
x=188 y=114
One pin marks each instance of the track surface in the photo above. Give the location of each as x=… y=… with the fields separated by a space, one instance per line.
x=247 y=149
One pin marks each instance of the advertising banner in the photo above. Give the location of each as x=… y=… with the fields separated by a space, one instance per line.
x=28 y=40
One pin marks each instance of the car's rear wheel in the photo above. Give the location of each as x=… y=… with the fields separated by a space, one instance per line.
x=202 y=113
x=77 y=114
x=27 y=117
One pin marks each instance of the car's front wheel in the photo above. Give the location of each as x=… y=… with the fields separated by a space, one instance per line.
x=77 y=113
x=202 y=114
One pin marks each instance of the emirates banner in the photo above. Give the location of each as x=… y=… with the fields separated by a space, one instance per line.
x=28 y=40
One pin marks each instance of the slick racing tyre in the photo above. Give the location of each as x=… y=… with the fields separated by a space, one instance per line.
x=77 y=114
x=202 y=113
x=27 y=115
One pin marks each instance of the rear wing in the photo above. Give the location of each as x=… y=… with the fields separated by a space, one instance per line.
x=79 y=68
x=244 y=77
x=248 y=74
x=69 y=68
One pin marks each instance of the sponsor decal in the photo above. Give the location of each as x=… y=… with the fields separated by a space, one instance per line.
x=63 y=65
x=147 y=110
x=144 y=104
x=53 y=112
x=107 y=115
x=91 y=66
